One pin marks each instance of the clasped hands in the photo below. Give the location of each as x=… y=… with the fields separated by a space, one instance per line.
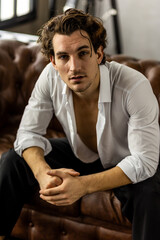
x=64 y=187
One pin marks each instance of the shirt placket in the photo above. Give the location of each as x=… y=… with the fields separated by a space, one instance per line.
x=100 y=125
x=70 y=122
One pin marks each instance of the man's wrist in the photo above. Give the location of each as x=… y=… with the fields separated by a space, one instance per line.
x=85 y=181
x=41 y=169
x=34 y=156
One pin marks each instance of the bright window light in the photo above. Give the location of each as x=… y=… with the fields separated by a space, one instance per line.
x=7 y=9
x=13 y=12
x=23 y=7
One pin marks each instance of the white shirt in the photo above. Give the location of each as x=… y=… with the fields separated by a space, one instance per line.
x=127 y=126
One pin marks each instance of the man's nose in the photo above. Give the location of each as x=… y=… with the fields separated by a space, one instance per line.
x=74 y=64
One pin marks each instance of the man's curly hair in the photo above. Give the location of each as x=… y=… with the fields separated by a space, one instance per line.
x=66 y=24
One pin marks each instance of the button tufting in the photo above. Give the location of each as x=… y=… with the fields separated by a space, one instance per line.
x=31 y=224
x=64 y=232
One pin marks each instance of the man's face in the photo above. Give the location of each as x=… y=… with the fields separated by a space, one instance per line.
x=76 y=61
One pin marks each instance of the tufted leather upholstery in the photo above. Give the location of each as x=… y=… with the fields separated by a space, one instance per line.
x=20 y=66
x=95 y=216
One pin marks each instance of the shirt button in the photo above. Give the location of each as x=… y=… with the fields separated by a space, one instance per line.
x=31 y=224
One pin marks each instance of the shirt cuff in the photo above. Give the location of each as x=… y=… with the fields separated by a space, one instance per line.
x=44 y=144
x=128 y=169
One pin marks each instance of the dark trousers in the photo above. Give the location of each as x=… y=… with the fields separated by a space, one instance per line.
x=140 y=202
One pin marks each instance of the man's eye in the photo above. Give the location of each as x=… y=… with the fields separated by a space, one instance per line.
x=83 y=53
x=63 y=57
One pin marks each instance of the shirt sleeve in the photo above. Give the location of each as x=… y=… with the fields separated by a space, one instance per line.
x=36 y=117
x=143 y=133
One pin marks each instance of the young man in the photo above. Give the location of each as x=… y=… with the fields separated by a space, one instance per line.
x=110 y=117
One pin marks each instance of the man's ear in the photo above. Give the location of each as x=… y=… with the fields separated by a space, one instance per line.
x=100 y=54
x=52 y=59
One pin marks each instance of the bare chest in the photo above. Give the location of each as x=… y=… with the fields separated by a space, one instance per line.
x=86 y=119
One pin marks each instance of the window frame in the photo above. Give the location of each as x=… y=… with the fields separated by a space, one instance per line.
x=20 y=19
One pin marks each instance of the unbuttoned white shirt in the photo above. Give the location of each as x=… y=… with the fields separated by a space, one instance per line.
x=127 y=125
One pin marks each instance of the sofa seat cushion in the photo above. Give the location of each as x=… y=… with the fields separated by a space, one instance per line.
x=59 y=227
x=81 y=220
x=108 y=207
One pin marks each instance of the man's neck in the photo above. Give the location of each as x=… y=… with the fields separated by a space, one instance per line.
x=86 y=98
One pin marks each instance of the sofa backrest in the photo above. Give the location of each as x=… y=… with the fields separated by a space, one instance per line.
x=20 y=66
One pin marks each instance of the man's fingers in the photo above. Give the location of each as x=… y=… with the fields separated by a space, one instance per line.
x=50 y=191
x=72 y=172
x=56 y=181
x=57 y=172
x=56 y=200
x=62 y=203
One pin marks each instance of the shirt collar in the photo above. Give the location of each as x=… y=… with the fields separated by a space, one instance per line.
x=65 y=90
x=105 y=90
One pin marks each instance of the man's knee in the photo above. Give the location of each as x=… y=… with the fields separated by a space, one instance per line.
x=14 y=169
x=9 y=158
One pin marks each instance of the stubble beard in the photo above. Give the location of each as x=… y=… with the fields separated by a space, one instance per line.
x=85 y=88
x=82 y=89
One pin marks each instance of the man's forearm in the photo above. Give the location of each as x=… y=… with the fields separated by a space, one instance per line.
x=34 y=156
x=106 y=180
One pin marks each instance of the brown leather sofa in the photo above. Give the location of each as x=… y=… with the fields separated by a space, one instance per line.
x=94 y=217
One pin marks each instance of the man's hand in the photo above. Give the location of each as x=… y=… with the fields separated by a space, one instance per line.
x=66 y=193
x=47 y=181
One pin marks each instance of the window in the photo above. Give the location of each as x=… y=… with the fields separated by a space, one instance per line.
x=16 y=11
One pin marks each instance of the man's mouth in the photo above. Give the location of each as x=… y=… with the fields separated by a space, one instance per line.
x=77 y=77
